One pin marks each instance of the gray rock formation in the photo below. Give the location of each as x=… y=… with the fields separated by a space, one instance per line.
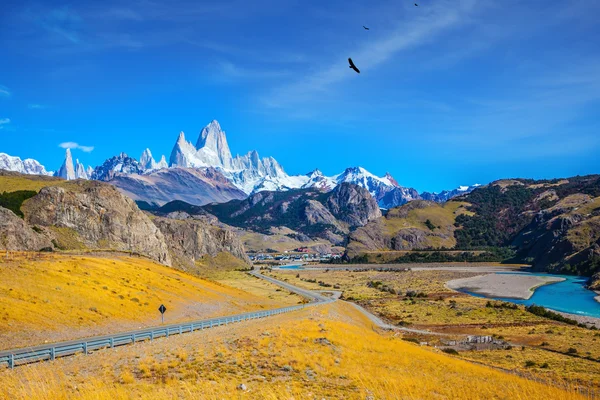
x=16 y=235
x=189 y=240
x=353 y=204
x=100 y=216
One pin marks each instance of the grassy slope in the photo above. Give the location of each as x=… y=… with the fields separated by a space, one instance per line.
x=11 y=183
x=276 y=358
x=441 y=216
x=62 y=297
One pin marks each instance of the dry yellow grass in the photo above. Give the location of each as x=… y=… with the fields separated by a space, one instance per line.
x=63 y=297
x=325 y=352
x=458 y=314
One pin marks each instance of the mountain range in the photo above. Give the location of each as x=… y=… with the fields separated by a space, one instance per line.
x=206 y=172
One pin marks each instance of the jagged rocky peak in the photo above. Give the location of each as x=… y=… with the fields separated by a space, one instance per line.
x=213 y=138
x=314 y=173
x=117 y=164
x=390 y=178
x=27 y=166
x=80 y=172
x=67 y=170
x=148 y=163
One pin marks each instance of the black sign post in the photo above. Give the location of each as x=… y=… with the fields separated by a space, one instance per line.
x=162 y=310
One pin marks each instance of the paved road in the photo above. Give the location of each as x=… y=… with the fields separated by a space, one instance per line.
x=384 y=325
x=314 y=296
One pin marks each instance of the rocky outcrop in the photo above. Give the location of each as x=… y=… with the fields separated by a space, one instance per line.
x=353 y=204
x=16 y=235
x=100 y=217
x=189 y=240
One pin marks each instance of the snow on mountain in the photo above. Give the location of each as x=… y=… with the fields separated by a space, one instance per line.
x=117 y=164
x=316 y=179
x=80 y=171
x=148 y=163
x=449 y=194
x=28 y=166
x=249 y=172
x=67 y=170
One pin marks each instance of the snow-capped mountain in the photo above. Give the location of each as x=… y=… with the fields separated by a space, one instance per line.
x=148 y=163
x=118 y=164
x=70 y=171
x=67 y=170
x=449 y=194
x=247 y=172
x=28 y=166
x=209 y=166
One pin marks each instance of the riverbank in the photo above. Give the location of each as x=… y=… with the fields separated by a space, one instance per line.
x=582 y=319
x=508 y=286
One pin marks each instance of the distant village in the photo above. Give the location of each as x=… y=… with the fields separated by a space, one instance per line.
x=302 y=254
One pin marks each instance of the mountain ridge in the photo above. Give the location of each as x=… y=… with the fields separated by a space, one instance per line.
x=248 y=173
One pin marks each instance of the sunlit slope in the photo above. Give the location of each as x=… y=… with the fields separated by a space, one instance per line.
x=61 y=297
x=323 y=352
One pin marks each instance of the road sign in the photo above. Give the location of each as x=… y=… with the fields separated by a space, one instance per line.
x=162 y=310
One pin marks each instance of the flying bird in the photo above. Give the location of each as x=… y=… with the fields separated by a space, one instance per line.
x=353 y=66
x=365 y=28
x=416 y=5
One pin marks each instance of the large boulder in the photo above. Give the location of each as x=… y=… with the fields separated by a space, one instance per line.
x=99 y=216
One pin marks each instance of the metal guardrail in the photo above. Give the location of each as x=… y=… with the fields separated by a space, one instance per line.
x=13 y=358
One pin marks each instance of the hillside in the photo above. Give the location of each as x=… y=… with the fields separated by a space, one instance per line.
x=329 y=352
x=552 y=224
x=56 y=215
x=416 y=225
x=309 y=213
x=53 y=297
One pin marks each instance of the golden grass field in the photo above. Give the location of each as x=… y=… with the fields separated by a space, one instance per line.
x=457 y=314
x=329 y=352
x=61 y=297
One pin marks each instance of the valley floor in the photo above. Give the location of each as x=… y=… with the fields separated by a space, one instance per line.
x=539 y=346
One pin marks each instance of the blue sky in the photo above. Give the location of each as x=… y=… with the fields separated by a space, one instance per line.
x=451 y=92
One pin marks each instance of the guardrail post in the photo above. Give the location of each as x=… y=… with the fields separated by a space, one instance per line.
x=152 y=336
x=133 y=338
x=11 y=361
x=111 y=341
x=180 y=329
x=85 y=348
x=211 y=325
x=192 y=327
x=167 y=332
x=52 y=354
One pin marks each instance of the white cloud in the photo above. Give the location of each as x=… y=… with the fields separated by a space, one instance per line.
x=4 y=92
x=74 y=145
x=4 y=121
x=36 y=106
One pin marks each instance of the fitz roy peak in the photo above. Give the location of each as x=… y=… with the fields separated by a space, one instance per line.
x=247 y=172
